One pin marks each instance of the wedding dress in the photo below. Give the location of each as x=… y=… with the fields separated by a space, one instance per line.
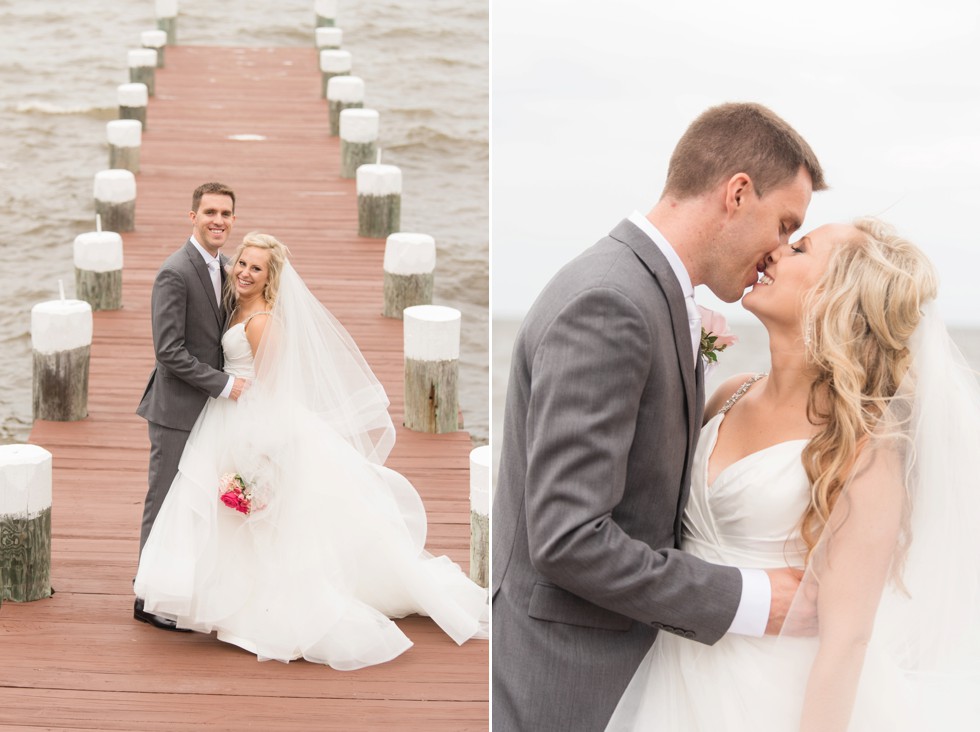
x=922 y=665
x=337 y=549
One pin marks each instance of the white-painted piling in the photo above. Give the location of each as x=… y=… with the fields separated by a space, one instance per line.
x=25 y=523
x=409 y=266
x=358 y=139
x=98 y=259
x=167 y=19
x=157 y=40
x=124 y=137
x=115 y=199
x=143 y=68
x=480 y=458
x=334 y=63
x=326 y=13
x=432 y=368
x=132 y=102
x=61 y=339
x=379 y=200
x=329 y=38
x=343 y=92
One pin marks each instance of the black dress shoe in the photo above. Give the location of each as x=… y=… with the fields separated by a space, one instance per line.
x=157 y=621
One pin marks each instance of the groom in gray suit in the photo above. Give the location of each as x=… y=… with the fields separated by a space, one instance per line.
x=188 y=318
x=603 y=411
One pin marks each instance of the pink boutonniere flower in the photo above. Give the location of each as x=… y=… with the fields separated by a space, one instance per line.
x=715 y=336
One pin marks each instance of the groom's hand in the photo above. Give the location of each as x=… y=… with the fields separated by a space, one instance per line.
x=785 y=583
x=238 y=388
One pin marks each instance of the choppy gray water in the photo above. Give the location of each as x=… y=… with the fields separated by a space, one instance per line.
x=60 y=64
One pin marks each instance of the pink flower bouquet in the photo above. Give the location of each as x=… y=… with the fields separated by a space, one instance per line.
x=235 y=493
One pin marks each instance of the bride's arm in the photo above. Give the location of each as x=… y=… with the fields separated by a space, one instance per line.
x=852 y=569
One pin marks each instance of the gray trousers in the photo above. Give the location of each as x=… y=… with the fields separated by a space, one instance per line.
x=166 y=447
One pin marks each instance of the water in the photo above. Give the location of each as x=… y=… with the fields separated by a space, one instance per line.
x=426 y=70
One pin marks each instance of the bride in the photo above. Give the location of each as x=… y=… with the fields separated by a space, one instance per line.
x=854 y=458
x=283 y=531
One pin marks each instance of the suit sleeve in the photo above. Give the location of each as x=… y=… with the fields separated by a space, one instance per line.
x=168 y=305
x=590 y=372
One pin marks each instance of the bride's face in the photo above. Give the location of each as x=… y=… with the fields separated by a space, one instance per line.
x=792 y=270
x=251 y=272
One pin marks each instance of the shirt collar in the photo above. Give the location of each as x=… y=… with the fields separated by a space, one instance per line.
x=644 y=225
x=204 y=252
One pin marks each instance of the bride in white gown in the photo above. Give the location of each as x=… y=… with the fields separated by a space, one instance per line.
x=333 y=545
x=854 y=458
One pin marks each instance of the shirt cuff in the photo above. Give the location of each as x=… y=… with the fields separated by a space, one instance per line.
x=752 y=615
x=226 y=392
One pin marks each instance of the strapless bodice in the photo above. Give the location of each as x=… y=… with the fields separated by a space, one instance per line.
x=749 y=516
x=238 y=353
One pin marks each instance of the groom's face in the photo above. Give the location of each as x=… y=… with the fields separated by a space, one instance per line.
x=213 y=220
x=757 y=226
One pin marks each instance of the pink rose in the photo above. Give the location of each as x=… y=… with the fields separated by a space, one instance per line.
x=714 y=324
x=233 y=499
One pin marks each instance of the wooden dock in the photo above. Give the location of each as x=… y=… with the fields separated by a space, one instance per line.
x=78 y=660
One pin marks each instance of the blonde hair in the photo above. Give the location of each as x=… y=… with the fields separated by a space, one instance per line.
x=859 y=319
x=277 y=259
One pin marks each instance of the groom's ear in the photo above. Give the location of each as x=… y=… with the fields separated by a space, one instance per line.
x=736 y=190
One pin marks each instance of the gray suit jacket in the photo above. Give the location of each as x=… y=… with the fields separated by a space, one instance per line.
x=187 y=326
x=603 y=410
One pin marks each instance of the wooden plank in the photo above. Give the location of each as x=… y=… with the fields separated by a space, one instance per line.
x=79 y=660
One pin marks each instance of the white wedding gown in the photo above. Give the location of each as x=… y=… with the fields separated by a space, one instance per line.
x=320 y=571
x=749 y=517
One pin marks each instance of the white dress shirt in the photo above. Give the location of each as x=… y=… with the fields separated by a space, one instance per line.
x=753 y=607
x=214 y=267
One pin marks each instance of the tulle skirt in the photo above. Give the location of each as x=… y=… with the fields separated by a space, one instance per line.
x=316 y=573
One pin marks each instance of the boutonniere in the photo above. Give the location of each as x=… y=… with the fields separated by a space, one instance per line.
x=715 y=336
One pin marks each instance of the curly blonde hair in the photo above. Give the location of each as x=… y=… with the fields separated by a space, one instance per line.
x=277 y=259
x=859 y=319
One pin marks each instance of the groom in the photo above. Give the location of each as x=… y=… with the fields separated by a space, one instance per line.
x=603 y=411
x=188 y=318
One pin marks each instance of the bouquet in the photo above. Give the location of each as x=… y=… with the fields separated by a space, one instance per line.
x=235 y=493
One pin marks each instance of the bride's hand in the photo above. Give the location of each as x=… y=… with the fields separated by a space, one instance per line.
x=785 y=583
x=238 y=388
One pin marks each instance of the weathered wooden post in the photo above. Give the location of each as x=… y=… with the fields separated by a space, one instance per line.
x=167 y=19
x=61 y=338
x=326 y=13
x=157 y=40
x=132 y=102
x=431 y=368
x=115 y=199
x=480 y=458
x=379 y=200
x=343 y=92
x=143 y=68
x=358 y=139
x=329 y=38
x=124 y=137
x=409 y=263
x=334 y=63
x=98 y=269
x=25 y=523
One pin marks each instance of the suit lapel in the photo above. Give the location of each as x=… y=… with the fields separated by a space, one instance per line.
x=205 y=277
x=655 y=262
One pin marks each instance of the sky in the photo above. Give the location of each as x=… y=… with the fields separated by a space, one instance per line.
x=588 y=101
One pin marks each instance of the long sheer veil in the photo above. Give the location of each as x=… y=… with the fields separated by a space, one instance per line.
x=919 y=471
x=307 y=358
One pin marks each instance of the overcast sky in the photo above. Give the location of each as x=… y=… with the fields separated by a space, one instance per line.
x=589 y=100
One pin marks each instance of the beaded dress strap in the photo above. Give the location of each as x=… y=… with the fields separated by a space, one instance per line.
x=740 y=393
x=264 y=312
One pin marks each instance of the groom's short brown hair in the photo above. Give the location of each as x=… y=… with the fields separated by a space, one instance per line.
x=217 y=188
x=739 y=137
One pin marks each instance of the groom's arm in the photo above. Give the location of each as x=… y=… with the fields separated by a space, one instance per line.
x=590 y=370
x=168 y=308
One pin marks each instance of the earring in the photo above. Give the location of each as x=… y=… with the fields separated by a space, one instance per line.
x=808 y=332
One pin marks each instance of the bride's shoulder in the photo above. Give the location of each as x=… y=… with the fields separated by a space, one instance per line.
x=728 y=390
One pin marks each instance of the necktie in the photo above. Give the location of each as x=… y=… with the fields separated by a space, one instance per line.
x=214 y=268
x=694 y=321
